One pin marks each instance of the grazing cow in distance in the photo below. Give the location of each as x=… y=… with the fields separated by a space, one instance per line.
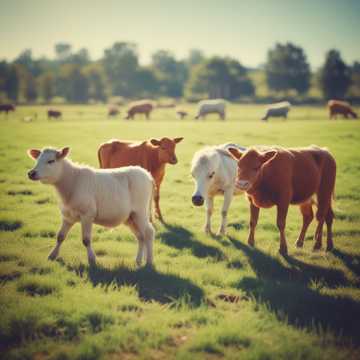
x=6 y=108
x=104 y=197
x=280 y=109
x=215 y=106
x=343 y=108
x=140 y=107
x=56 y=114
x=214 y=172
x=282 y=177
x=181 y=114
x=113 y=111
x=152 y=155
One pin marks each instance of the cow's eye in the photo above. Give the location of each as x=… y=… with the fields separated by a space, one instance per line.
x=51 y=161
x=211 y=175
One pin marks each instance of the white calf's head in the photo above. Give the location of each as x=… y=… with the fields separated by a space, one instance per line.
x=49 y=164
x=205 y=164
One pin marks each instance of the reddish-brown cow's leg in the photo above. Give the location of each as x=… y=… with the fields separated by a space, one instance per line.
x=329 y=220
x=157 y=202
x=282 y=210
x=308 y=215
x=254 y=216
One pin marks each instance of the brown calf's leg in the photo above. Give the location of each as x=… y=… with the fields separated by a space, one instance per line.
x=308 y=215
x=329 y=220
x=254 y=216
x=282 y=210
x=157 y=203
x=61 y=235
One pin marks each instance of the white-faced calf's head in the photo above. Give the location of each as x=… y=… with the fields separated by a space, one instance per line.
x=203 y=171
x=49 y=164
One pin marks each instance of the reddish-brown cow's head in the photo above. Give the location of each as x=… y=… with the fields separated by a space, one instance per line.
x=166 y=149
x=250 y=164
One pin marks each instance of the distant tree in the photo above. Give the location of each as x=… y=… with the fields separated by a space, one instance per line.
x=25 y=59
x=147 y=82
x=121 y=65
x=96 y=77
x=46 y=86
x=63 y=51
x=171 y=73
x=335 y=76
x=27 y=84
x=287 y=69
x=219 y=77
x=355 y=80
x=81 y=57
x=9 y=80
x=195 y=57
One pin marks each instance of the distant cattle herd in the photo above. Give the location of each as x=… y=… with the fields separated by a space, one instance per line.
x=205 y=107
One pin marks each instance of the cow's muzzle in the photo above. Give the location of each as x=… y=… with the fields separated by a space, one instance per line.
x=32 y=174
x=197 y=200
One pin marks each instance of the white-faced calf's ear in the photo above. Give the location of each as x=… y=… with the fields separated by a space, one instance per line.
x=61 y=154
x=268 y=156
x=34 y=153
x=155 y=142
x=235 y=153
x=177 y=140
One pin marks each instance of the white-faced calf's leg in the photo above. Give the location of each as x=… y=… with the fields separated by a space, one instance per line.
x=86 y=227
x=61 y=235
x=228 y=195
x=209 y=204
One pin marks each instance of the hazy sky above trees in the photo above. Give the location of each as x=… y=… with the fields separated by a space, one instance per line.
x=238 y=28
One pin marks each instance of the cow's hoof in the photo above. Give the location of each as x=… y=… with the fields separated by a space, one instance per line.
x=53 y=255
x=317 y=247
x=207 y=230
x=299 y=244
x=330 y=247
x=283 y=251
x=221 y=232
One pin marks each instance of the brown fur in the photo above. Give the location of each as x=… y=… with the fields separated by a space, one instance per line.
x=282 y=177
x=54 y=114
x=343 y=108
x=152 y=155
x=141 y=107
x=7 y=108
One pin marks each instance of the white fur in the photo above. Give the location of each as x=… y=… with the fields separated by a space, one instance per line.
x=105 y=197
x=217 y=161
x=216 y=106
x=280 y=109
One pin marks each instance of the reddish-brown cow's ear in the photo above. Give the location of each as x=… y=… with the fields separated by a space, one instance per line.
x=34 y=153
x=268 y=156
x=63 y=153
x=177 y=140
x=235 y=153
x=155 y=142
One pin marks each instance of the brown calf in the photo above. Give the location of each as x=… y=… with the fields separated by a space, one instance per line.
x=282 y=177
x=152 y=155
x=54 y=114
x=343 y=108
x=7 y=108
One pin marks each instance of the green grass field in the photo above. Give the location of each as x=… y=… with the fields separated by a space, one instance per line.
x=306 y=306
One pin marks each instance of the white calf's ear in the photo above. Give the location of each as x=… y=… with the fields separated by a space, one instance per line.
x=155 y=142
x=235 y=153
x=61 y=154
x=177 y=140
x=34 y=153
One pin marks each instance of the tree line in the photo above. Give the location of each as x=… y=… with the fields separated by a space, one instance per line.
x=73 y=77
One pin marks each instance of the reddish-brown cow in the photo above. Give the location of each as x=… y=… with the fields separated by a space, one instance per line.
x=152 y=155
x=140 y=107
x=281 y=177
x=7 y=108
x=343 y=108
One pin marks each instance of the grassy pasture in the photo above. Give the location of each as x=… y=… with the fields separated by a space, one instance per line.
x=304 y=306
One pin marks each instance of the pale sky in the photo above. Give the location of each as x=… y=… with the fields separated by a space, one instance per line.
x=244 y=29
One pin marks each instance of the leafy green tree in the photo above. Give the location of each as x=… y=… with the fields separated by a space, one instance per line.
x=195 y=57
x=355 y=80
x=335 y=76
x=46 y=86
x=63 y=51
x=96 y=77
x=287 y=68
x=9 y=80
x=121 y=65
x=27 y=84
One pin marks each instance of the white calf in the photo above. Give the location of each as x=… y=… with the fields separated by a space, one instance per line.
x=216 y=106
x=280 y=109
x=105 y=197
x=214 y=172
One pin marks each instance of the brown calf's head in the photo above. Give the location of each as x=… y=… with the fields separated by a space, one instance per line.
x=166 y=149
x=250 y=164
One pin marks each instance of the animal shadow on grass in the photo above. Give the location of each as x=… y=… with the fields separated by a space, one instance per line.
x=350 y=261
x=285 y=290
x=181 y=238
x=151 y=284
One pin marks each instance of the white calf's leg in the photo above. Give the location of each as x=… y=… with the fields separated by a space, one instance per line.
x=228 y=195
x=61 y=235
x=209 y=204
x=86 y=227
x=149 y=239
